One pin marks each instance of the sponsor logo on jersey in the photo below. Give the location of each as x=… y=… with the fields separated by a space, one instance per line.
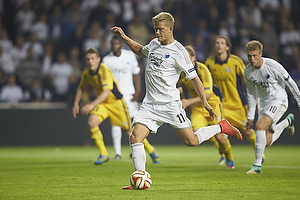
x=156 y=60
x=262 y=84
x=120 y=70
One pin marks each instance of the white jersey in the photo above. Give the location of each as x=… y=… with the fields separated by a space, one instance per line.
x=123 y=67
x=268 y=84
x=164 y=65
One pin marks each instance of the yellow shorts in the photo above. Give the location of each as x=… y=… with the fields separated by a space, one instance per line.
x=237 y=117
x=116 y=111
x=200 y=117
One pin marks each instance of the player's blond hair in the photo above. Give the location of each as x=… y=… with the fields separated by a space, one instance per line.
x=190 y=50
x=164 y=16
x=254 y=45
x=92 y=50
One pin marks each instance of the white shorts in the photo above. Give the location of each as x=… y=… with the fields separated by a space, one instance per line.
x=133 y=106
x=275 y=110
x=155 y=115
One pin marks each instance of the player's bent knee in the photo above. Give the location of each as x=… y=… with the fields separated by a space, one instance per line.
x=221 y=138
x=93 y=121
x=133 y=138
x=259 y=127
x=191 y=143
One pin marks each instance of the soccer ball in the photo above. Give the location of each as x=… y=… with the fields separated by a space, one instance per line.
x=140 y=180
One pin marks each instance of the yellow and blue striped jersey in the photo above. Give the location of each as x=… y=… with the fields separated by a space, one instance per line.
x=100 y=80
x=229 y=77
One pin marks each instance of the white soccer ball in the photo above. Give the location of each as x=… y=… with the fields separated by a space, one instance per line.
x=140 y=180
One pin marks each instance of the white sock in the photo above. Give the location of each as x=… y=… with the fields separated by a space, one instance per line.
x=260 y=144
x=278 y=129
x=116 y=133
x=138 y=156
x=205 y=133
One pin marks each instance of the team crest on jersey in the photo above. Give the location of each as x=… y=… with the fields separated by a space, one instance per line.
x=227 y=69
x=167 y=55
x=287 y=78
x=267 y=76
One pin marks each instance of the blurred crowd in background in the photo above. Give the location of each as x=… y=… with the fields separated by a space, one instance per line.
x=42 y=42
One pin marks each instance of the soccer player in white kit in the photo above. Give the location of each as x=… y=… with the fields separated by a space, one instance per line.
x=126 y=70
x=266 y=80
x=161 y=104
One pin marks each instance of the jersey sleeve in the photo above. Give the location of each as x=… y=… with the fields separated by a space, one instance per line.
x=289 y=82
x=240 y=68
x=251 y=96
x=107 y=80
x=83 y=80
x=282 y=74
x=145 y=50
x=294 y=89
x=205 y=77
x=183 y=61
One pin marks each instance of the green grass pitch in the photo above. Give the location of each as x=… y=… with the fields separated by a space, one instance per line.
x=68 y=172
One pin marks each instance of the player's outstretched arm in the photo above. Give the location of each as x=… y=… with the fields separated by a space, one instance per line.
x=134 y=46
x=199 y=88
x=292 y=85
